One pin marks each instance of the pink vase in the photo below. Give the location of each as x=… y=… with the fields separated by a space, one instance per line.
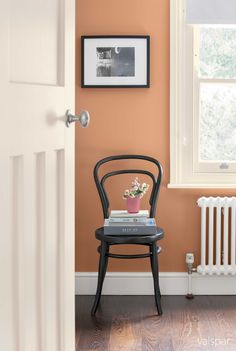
x=133 y=204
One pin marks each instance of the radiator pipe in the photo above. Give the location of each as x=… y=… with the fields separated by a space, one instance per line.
x=190 y=261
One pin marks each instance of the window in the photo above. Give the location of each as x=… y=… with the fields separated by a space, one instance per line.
x=203 y=103
x=215 y=98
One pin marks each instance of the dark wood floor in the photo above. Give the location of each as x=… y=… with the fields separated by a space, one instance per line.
x=130 y=323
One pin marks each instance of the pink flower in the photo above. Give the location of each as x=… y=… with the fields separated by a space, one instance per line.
x=137 y=189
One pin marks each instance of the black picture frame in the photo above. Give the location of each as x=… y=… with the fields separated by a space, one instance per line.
x=105 y=63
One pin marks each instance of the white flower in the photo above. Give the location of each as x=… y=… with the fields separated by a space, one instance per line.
x=137 y=189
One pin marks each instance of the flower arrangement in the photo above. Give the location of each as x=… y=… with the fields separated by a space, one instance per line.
x=137 y=189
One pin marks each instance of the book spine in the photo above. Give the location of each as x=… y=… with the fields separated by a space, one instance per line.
x=129 y=216
x=125 y=214
x=128 y=220
x=130 y=230
x=119 y=224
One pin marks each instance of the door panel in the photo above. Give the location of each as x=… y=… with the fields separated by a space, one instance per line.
x=36 y=57
x=37 y=175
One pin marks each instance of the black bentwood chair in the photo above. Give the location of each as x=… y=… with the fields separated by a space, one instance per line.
x=148 y=240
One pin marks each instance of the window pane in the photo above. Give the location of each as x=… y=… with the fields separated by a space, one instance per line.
x=217 y=122
x=217 y=52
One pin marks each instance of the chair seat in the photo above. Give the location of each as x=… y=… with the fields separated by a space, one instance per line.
x=129 y=239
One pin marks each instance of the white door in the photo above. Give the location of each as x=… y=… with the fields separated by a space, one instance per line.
x=36 y=175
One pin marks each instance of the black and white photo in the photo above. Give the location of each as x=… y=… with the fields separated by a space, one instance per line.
x=115 y=61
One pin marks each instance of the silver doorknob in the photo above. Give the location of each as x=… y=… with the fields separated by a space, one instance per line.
x=83 y=118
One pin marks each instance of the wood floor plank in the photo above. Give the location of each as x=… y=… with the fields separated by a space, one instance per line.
x=125 y=328
x=131 y=323
x=94 y=332
x=155 y=329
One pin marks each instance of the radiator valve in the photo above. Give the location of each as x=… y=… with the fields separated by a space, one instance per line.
x=189 y=258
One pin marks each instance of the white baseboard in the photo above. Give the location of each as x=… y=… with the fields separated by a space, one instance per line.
x=141 y=283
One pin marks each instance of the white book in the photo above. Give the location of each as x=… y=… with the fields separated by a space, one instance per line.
x=126 y=214
x=128 y=220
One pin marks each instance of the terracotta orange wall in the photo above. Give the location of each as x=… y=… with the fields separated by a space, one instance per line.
x=130 y=121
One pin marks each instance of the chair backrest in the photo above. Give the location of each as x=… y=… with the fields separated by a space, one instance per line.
x=156 y=179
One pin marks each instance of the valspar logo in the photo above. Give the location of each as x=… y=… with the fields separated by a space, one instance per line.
x=214 y=341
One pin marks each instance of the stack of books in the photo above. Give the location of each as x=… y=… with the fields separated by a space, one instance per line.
x=124 y=223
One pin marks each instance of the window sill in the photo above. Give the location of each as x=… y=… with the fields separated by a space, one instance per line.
x=201 y=186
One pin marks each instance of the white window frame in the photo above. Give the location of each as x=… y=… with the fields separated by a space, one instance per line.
x=185 y=170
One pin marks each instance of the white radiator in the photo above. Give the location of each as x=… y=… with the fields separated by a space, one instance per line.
x=218 y=228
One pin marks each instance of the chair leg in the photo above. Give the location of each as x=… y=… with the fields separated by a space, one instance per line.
x=101 y=275
x=106 y=263
x=155 y=273
x=150 y=250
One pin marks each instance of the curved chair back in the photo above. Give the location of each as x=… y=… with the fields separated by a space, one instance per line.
x=156 y=179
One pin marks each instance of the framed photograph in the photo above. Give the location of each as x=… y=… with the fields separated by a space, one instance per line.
x=115 y=61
